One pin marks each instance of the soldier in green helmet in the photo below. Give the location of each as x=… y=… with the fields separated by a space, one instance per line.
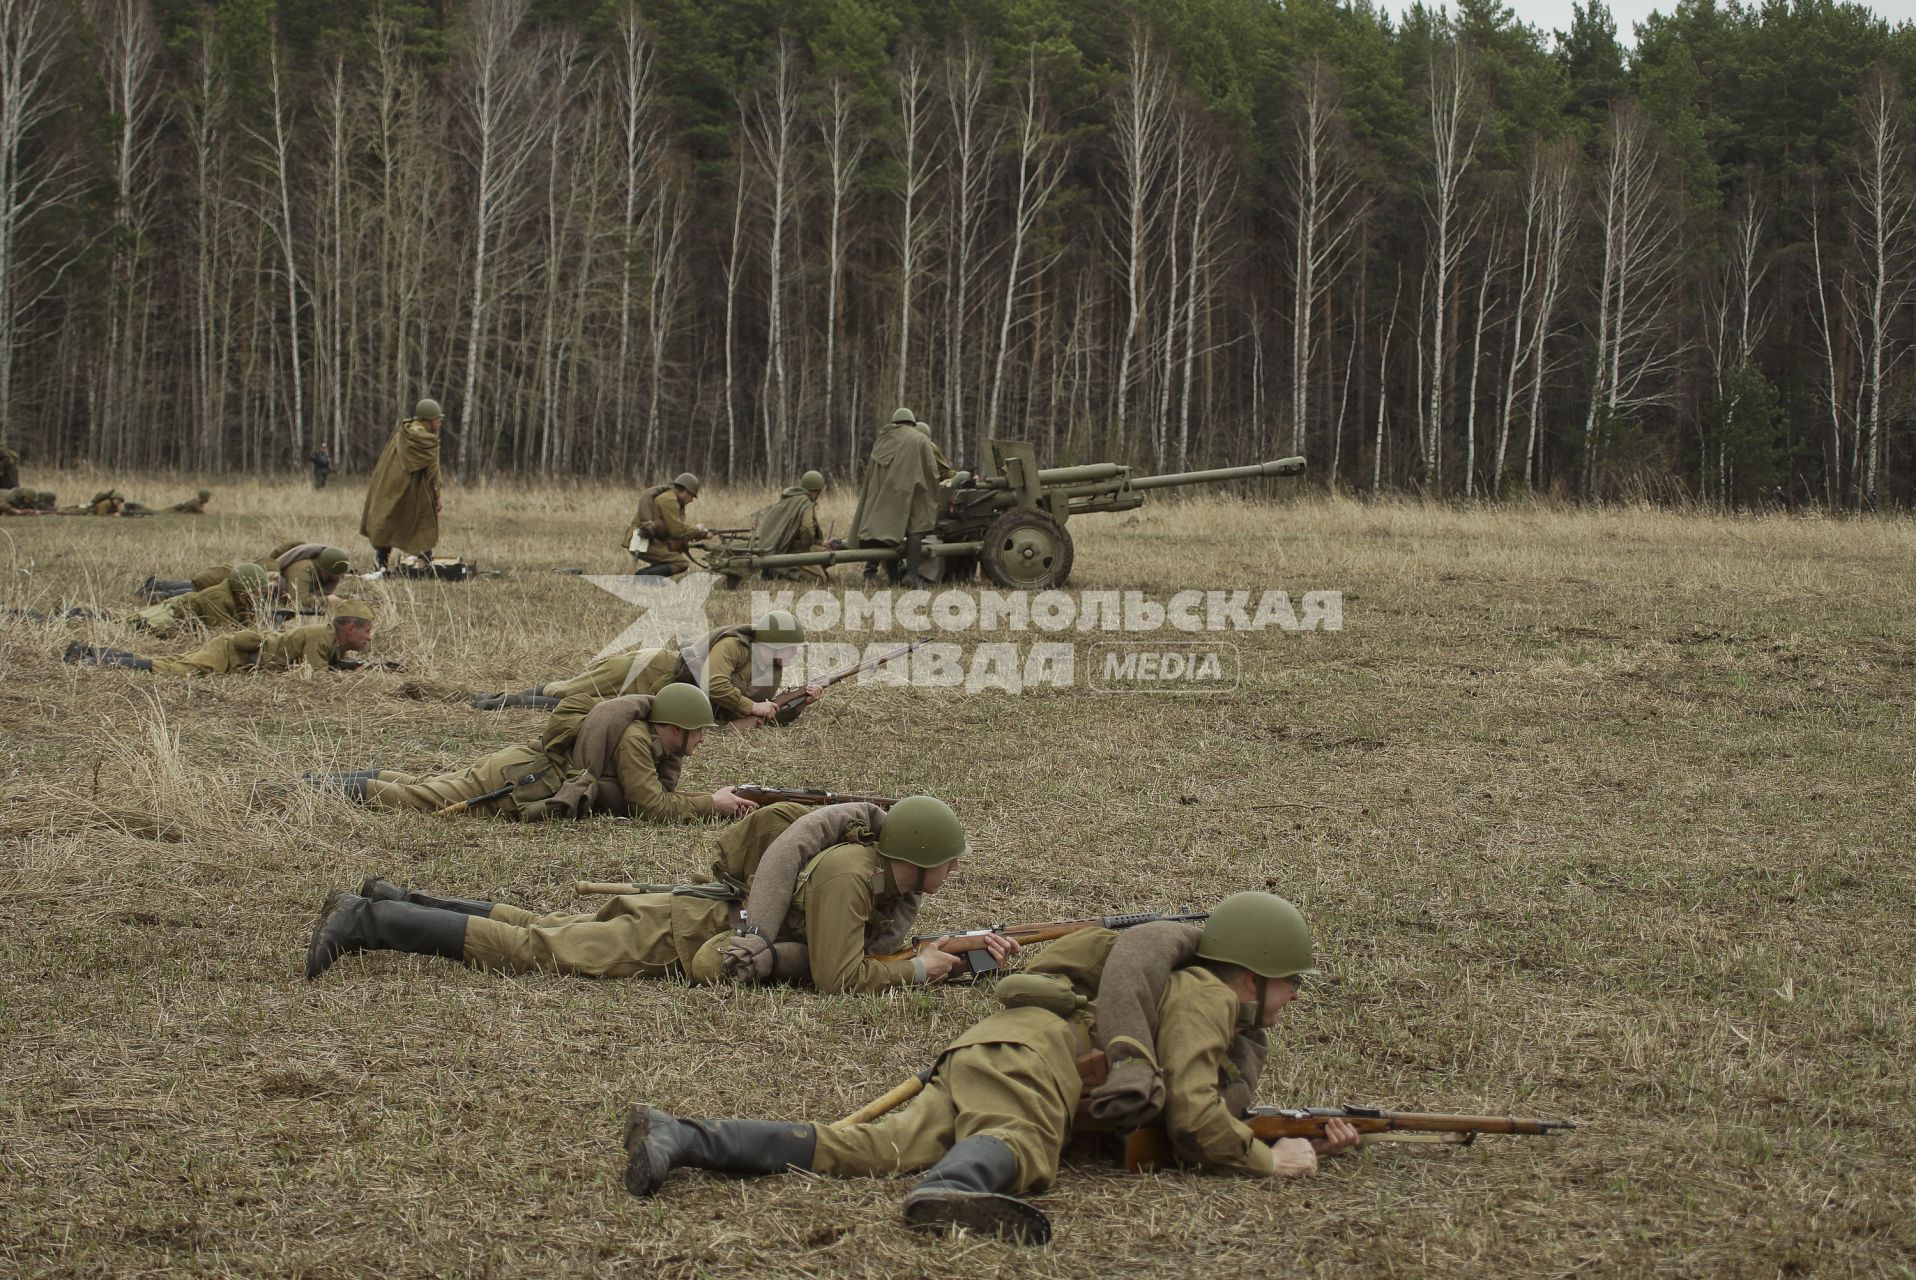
x=791 y=524
x=319 y=647
x=242 y=598
x=806 y=896
x=193 y=506
x=25 y=502
x=304 y=573
x=659 y=533
x=992 y=1120
x=624 y=758
x=403 y=499
x=739 y=667
x=898 y=494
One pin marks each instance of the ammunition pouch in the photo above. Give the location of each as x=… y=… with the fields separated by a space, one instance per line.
x=747 y=959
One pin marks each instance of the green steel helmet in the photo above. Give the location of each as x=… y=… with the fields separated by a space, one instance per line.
x=1260 y=932
x=205 y=494
x=331 y=561
x=688 y=482
x=247 y=577
x=923 y=831
x=778 y=627
x=812 y=482
x=428 y=409
x=46 y=498
x=684 y=705
x=905 y=416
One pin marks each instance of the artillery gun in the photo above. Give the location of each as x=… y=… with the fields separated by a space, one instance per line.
x=1012 y=525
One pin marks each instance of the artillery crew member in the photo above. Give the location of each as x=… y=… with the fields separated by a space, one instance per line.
x=622 y=758
x=828 y=892
x=403 y=500
x=994 y=1117
x=740 y=668
x=319 y=647
x=791 y=525
x=193 y=506
x=898 y=494
x=659 y=533
x=232 y=603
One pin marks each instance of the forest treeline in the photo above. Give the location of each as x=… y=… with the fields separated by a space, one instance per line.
x=624 y=237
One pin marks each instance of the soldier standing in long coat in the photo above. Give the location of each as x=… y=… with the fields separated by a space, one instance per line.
x=403 y=500
x=898 y=494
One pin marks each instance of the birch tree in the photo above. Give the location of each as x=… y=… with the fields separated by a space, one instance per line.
x=968 y=175
x=1141 y=134
x=1549 y=234
x=635 y=87
x=772 y=128
x=844 y=144
x=1635 y=350
x=498 y=86
x=1040 y=165
x=274 y=185
x=33 y=179
x=1883 y=223
x=1325 y=205
x=1455 y=124
x=917 y=164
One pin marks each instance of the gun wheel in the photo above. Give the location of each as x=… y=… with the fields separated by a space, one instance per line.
x=1026 y=550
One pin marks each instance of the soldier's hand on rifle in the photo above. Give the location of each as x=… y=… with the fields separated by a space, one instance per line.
x=1293 y=1158
x=730 y=804
x=765 y=712
x=1339 y=1136
x=939 y=964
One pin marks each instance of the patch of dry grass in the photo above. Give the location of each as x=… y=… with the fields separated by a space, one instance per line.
x=1598 y=814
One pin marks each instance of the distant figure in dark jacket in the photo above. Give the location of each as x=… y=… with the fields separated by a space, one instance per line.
x=322 y=460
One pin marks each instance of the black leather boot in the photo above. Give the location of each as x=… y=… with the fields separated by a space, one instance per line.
x=350 y=785
x=154 y=590
x=94 y=656
x=532 y=698
x=653 y=571
x=966 y=1188
x=657 y=1143
x=373 y=889
x=349 y=923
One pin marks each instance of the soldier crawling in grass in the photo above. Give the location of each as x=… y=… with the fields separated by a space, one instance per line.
x=808 y=896
x=242 y=598
x=623 y=757
x=994 y=1117
x=739 y=667
x=304 y=575
x=319 y=647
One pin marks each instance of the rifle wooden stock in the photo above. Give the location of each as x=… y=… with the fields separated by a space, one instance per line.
x=1150 y=1147
x=793 y=701
x=807 y=795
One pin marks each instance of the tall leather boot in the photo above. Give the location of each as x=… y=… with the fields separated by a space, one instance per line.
x=657 y=1143
x=349 y=923
x=154 y=590
x=350 y=785
x=653 y=571
x=374 y=889
x=966 y=1188
x=95 y=656
x=533 y=697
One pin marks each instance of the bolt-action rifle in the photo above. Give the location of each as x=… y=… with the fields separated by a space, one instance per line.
x=970 y=943
x=806 y=795
x=794 y=701
x=1150 y=1147
x=497 y=793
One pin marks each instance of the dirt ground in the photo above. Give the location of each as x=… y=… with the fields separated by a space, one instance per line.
x=1601 y=815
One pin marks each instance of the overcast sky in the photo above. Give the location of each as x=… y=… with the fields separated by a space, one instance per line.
x=1554 y=15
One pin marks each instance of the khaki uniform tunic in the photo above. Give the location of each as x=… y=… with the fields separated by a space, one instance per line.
x=1013 y=1077
x=304 y=584
x=727 y=680
x=671 y=533
x=839 y=906
x=215 y=606
x=252 y=650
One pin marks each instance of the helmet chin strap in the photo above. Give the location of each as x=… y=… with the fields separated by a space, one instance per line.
x=1252 y=1014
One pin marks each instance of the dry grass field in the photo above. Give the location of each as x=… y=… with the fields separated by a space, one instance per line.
x=1603 y=815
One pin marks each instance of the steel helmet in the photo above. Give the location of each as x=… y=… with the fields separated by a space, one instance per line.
x=688 y=482
x=923 y=831
x=1260 y=932
x=428 y=409
x=778 y=627
x=812 y=482
x=331 y=561
x=247 y=577
x=683 y=705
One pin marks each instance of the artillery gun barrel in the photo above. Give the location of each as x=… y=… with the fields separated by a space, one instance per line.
x=1279 y=467
x=859 y=555
x=1051 y=477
